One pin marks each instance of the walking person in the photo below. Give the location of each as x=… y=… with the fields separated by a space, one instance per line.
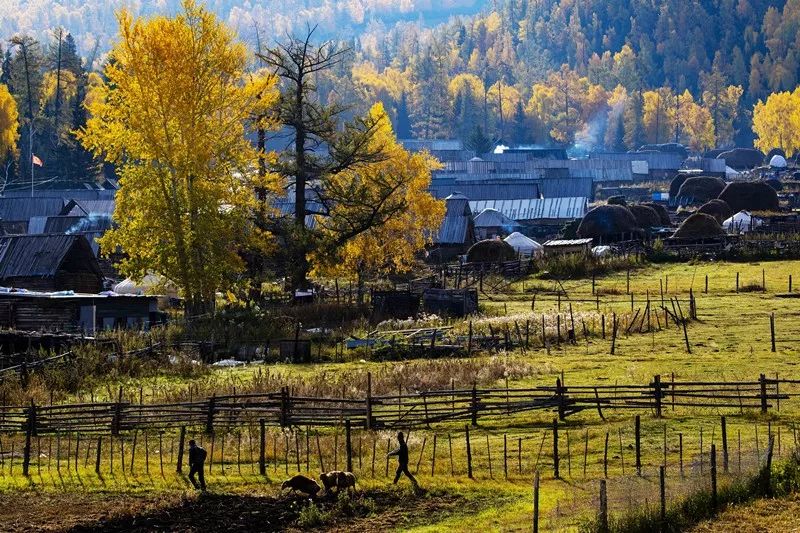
x=197 y=460
x=402 y=461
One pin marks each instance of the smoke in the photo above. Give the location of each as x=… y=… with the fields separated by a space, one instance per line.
x=591 y=136
x=91 y=222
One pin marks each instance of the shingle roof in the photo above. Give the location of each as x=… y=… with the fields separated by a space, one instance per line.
x=37 y=255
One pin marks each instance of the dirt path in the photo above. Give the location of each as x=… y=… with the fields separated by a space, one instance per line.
x=366 y=511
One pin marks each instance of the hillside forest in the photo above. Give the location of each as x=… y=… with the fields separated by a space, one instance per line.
x=584 y=74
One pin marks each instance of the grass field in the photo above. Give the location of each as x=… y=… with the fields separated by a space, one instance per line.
x=730 y=340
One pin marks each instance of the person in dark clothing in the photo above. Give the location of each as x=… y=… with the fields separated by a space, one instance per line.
x=402 y=460
x=197 y=459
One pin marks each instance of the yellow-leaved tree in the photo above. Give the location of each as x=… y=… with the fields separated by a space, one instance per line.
x=9 y=132
x=173 y=117
x=395 y=191
x=776 y=122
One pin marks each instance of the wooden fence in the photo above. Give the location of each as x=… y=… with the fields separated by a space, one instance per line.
x=413 y=410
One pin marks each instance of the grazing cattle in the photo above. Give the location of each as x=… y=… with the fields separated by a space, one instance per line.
x=338 y=480
x=301 y=484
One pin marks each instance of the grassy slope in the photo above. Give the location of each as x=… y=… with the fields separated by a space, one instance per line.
x=730 y=341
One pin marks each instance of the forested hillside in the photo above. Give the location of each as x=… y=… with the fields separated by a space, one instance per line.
x=589 y=74
x=710 y=61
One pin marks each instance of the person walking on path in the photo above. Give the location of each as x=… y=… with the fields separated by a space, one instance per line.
x=402 y=460
x=197 y=460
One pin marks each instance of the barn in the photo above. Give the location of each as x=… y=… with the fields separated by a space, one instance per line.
x=49 y=263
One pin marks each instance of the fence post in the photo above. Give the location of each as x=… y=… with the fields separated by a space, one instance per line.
x=790 y=283
x=772 y=330
x=713 y=476
x=603 y=517
x=369 y=401
x=762 y=380
x=181 y=440
x=561 y=399
x=30 y=429
x=284 y=406
x=657 y=394
x=638 y=436
x=97 y=456
x=469 y=452
x=663 y=493
x=536 y=502
x=724 y=445
x=555 y=449
x=262 y=449
x=768 y=466
x=737 y=282
x=210 y=415
x=348 y=445
x=474 y=405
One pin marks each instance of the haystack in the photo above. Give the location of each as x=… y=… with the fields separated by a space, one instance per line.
x=776 y=151
x=699 y=226
x=663 y=214
x=675 y=185
x=700 y=189
x=646 y=217
x=742 y=158
x=606 y=221
x=719 y=209
x=490 y=251
x=616 y=200
x=750 y=196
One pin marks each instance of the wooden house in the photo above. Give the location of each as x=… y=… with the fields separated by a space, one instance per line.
x=457 y=232
x=49 y=263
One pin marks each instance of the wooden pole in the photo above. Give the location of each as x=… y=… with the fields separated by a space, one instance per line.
x=603 y=515
x=469 y=453
x=536 y=502
x=605 y=457
x=262 y=449
x=181 y=441
x=724 y=445
x=349 y=445
x=97 y=455
x=555 y=449
x=663 y=493
x=713 y=476
x=772 y=330
x=638 y=435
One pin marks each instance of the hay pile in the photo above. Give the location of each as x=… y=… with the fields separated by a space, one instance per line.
x=663 y=214
x=700 y=189
x=607 y=220
x=646 y=217
x=742 y=158
x=750 y=196
x=719 y=209
x=616 y=200
x=675 y=185
x=774 y=152
x=699 y=226
x=490 y=251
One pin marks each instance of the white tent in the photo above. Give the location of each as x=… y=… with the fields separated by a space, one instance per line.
x=777 y=161
x=523 y=245
x=741 y=222
x=152 y=284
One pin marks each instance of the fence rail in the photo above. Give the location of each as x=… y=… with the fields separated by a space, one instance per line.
x=411 y=410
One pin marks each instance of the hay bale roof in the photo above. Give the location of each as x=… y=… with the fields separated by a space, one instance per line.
x=742 y=158
x=700 y=189
x=675 y=185
x=699 y=226
x=616 y=200
x=646 y=217
x=750 y=196
x=605 y=220
x=719 y=209
x=663 y=214
x=490 y=251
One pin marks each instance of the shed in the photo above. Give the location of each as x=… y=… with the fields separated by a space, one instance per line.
x=395 y=304
x=450 y=302
x=69 y=311
x=457 y=232
x=568 y=246
x=49 y=263
x=491 y=223
x=525 y=246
